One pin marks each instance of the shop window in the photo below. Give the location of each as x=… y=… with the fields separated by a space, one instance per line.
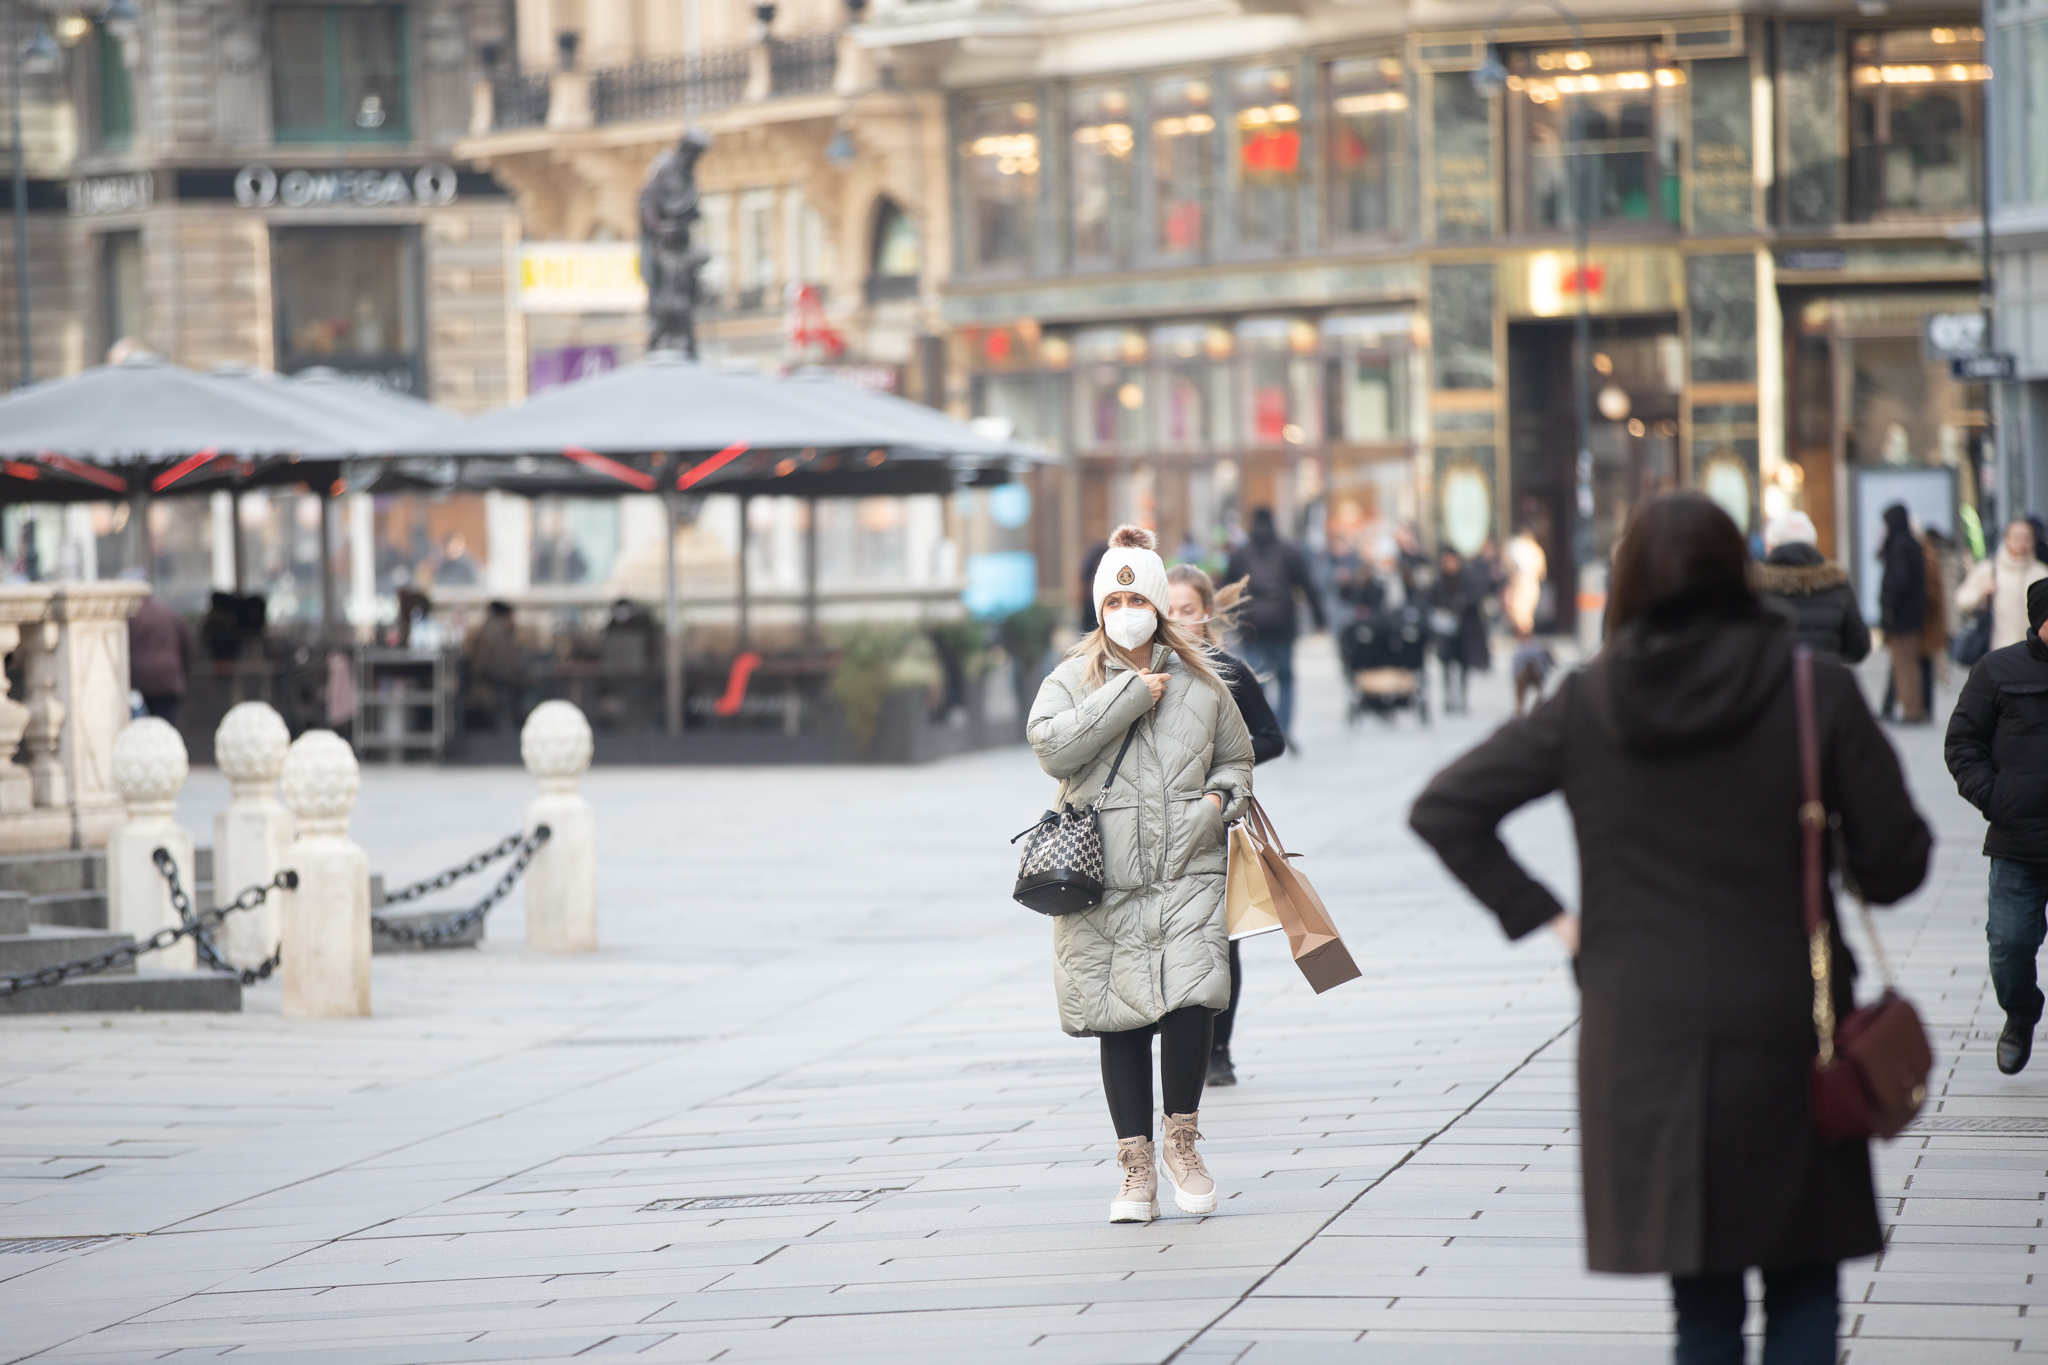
x=1367 y=398
x=1280 y=381
x=1368 y=148
x=1101 y=169
x=123 y=316
x=757 y=249
x=1267 y=155
x=1915 y=133
x=999 y=168
x=714 y=234
x=575 y=540
x=2021 y=97
x=1189 y=408
x=346 y=298
x=338 y=73
x=898 y=256
x=1109 y=390
x=1183 y=149
x=116 y=95
x=811 y=258
x=1029 y=402
x=1616 y=106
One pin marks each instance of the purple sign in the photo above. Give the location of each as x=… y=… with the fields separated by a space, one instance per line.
x=567 y=364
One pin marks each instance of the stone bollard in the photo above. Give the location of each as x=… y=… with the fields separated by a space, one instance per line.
x=149 y=766
x=252 y=837
x=326 y=921
x=561 y=884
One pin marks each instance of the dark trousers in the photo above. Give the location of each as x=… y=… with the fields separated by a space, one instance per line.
x=1275 y=658
x=1800 y=1316
x=2015 y=928
x=1184 y=1037
x=1227 y=1020
x=163 y=708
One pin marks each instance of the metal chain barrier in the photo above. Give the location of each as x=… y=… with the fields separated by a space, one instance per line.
x=455 y=874
x=248 y=900
x=193 y=927
x=449 y=928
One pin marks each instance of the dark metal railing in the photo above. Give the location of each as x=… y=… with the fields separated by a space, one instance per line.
x=675 y=85
x=800 y=66
x=519 y=101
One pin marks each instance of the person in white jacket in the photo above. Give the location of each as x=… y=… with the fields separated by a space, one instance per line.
x=2002 y=579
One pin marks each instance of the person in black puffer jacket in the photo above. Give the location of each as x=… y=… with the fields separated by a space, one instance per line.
x=1902 y=597
x=1997 y=750
x=1799 y=584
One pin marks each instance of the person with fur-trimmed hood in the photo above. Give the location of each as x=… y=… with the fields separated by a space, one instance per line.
x=1154 y=955
x=1798 y=583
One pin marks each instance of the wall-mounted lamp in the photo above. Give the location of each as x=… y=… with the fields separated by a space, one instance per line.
x=40 y=55
x=122 y=20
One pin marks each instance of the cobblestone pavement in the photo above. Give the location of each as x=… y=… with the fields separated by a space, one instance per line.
x=810 y=1102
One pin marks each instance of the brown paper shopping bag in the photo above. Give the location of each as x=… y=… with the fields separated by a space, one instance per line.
x=1247 y=900
x=1311 y=935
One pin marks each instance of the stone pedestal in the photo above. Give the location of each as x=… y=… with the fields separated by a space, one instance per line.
x=326 y=920
x=252 y=837
x=33 y=813
x=148 y=766
x=561 y=883
x=92 y=685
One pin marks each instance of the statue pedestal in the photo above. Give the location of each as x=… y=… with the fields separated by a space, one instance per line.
x=92 y=684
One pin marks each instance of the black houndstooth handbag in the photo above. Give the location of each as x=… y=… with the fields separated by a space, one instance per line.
x=1061 y=871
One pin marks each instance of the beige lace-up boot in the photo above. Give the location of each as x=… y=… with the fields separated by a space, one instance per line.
x=1138 y=1200
x=1193 y=1189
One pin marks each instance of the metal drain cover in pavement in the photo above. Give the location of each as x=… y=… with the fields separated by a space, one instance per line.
x=765 y=1201
x=39 y=1246
x=1956 y=1123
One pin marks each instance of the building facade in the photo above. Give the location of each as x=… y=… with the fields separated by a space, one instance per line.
x=1311 y=257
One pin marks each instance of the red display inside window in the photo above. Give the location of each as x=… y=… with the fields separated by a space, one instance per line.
x=1272 y=151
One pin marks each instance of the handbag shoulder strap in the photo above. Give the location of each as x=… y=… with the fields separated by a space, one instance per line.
x=1129 y=735
x=1813 y=814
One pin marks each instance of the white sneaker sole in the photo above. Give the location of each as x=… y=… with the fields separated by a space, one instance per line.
x=1134 y=1212
x=1189 y=1203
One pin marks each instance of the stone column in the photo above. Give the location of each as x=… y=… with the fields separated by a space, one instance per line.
x=252 y=837
x=92 y=685
x=326 y=921
x=28 y=823
x=149 y=766
x=45 y=721
x=561 y=883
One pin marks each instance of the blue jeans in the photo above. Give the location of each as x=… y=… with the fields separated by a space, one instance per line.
x=2015 y=928
x=1801 y=1313
x=1276 y=657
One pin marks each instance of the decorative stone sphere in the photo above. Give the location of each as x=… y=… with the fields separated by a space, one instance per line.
x=555 y=744
x=251 y=743
x=149 y=763
x=320 y=780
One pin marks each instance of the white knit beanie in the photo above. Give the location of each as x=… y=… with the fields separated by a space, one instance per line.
x=1132 y=565
x=1789 y=528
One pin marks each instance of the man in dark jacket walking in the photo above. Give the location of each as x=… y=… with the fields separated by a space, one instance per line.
x=159 y=656
x=1798 y=583
x=1902 y=603
x=1276 y=569
x=1997 y=750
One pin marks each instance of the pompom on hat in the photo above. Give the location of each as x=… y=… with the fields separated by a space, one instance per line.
x=1132 y=565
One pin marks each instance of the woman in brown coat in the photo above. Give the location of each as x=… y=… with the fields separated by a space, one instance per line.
x=1676 y=752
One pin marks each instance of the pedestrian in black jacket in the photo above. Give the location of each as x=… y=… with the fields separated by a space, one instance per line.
x=1997 y=750
x=1267 y=629
x=1902 y=602
x=1814 y=595
x=1195 y=603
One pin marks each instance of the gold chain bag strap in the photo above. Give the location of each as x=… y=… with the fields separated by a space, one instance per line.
x=1870 y=1073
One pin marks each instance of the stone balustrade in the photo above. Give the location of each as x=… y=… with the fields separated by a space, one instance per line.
x=326 y=919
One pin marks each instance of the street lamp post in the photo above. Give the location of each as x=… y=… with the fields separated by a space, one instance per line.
x=36 y=57
x=1492 y=78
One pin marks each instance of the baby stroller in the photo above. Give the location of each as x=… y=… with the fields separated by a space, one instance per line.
x=1385 y=650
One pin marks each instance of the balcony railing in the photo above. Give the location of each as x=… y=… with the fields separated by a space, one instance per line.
x=802 y=66
x=519 y=101
x=676 y=85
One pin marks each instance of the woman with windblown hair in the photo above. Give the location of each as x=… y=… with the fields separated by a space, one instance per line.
x=1153 y=957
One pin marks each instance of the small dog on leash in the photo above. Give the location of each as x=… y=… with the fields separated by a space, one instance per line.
x=1532 y=667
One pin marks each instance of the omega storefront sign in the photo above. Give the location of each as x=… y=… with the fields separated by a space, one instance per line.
x=260 y=187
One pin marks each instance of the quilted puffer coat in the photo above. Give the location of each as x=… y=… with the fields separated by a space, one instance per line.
x=1157 y=942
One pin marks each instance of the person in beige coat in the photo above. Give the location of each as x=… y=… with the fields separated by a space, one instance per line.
x=1153 y=956
x=2001 y=579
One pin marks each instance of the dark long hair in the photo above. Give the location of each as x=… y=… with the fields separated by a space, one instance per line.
x=1680 y=555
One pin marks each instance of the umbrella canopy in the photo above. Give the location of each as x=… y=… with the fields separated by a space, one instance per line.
x=146 y=410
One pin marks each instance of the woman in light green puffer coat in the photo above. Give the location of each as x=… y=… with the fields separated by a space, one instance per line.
x=1153 y=957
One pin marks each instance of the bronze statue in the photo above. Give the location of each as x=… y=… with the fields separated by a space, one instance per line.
x=668 y=263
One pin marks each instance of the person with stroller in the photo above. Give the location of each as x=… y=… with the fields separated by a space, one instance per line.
x=1201 y=609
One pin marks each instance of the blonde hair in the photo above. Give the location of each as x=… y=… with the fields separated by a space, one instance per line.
x=1194 y=651
x=1221 y=604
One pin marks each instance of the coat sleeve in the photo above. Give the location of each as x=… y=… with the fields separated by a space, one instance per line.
x=1968 y=745
x=1855 y=630
x=1884 y=841
x=1974 y=589
x=1067 y=734
x=1267 y=739
x=1230 y=762
x=1459 y=813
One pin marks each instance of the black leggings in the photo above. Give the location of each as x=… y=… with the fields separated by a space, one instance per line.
x=1184 y=1038
x=1227 y=1021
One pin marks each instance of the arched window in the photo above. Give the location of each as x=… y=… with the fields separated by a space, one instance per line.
x=898 y=256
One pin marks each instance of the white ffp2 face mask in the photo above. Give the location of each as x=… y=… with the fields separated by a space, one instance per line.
x=1131 y=626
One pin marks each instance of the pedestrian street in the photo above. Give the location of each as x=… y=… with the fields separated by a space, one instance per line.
x=810 y=1102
